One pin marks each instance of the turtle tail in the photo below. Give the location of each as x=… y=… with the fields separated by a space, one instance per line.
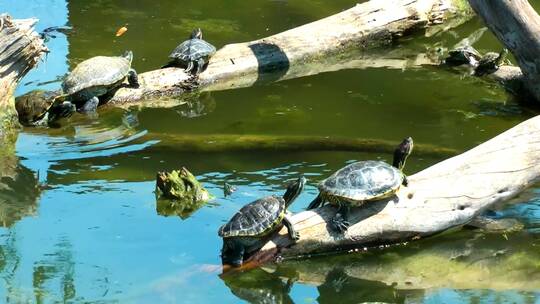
x=317 y=202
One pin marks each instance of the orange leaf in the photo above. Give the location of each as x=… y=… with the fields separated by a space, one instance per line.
x=121 y=31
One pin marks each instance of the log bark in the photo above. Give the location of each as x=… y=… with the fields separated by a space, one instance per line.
x=284 y=55
x=448 y=194
x=517 y=26
x=20 y=50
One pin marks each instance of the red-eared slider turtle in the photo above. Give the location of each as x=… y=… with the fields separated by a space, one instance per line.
x=360 y=182
x=490 y=62
x=248 y=228
x=463 y=55
x=96 y=77
x=192 y=52
x=38 y=107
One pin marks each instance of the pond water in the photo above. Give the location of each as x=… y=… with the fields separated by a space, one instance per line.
x=96 y=235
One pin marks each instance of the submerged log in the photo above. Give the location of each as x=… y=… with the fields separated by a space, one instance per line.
x=517 y=26
x=448 y=194
x=20 y=49
x=283 y=56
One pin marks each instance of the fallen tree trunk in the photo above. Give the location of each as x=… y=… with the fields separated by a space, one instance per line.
x=517 y=26
x=282 y=56
x=20 y=49
x=448 y=194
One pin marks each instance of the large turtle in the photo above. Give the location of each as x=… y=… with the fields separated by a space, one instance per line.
x=192 y=52
x=490 y=62
x=96 y=77
x=362 y=181
x=248 y=228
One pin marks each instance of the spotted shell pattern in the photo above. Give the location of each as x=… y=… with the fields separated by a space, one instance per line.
x=192 y=50
x=96 y=71
x=362 y=181
x=255 y=219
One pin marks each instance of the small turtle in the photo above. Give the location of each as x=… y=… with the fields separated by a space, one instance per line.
x=96 y=77
x=228 y=189
x=463 y=55
x=248 y=228
x=194 y=51
x=490 y=62
x=361 y=182
x=38 y=107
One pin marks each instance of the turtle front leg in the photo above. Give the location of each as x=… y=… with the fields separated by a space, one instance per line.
x=190 y=67
x=133 y=78
x=340 y=221
x=200 y=65
x=232 y=252
x=293 y=234
x=90 y=106
x=405 y=181
x=63 y=110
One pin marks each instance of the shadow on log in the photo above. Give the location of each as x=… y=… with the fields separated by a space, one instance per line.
x=448 y=194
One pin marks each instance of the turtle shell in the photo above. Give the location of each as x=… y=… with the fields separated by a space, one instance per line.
x=192 y=49
x=99 y=71
x=255 y=219
x=463 y=55
x=362 y=181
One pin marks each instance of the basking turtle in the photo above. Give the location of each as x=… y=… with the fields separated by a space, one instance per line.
x=463 y=55
x=38 y=107
x=192 y=52
x=490 y=62
x=363 y=181
x=248 y=227
x=96 y=77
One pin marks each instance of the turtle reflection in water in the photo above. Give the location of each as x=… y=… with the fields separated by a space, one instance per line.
x=361 y=182
x=248 y=228
x=178 y=192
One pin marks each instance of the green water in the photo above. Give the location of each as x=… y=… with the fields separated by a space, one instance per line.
x=94 y=234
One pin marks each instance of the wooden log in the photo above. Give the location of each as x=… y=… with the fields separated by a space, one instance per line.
x=20 y=50
x=517 y=26
x=446 y=195
x=283 y=56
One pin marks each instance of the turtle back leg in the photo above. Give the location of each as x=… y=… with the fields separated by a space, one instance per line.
x=90 y=106
x=133 y=78
x=293 y=234
x=340 y=221
x=232 y=252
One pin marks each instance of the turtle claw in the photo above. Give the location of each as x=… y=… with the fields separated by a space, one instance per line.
x=340 y=224
x=296 y=236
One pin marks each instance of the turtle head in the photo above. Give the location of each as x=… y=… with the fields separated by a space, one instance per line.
x=402 y=152
x=293 y=190
x=128 y=55
x=502 y=56
x=196 y=34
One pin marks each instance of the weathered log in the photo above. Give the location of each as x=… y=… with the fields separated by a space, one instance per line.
x=448 y=194
x=20 y=49
x=283 y=56
x=517 y=26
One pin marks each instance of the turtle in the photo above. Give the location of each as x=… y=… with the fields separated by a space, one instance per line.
x=361 y=182
x=192 y=52
x=463 y=55
x=248 y=228
x=38 y=107
x=490 y=62
x=96 y=77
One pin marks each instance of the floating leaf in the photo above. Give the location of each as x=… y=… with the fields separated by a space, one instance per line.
x=121 y=31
